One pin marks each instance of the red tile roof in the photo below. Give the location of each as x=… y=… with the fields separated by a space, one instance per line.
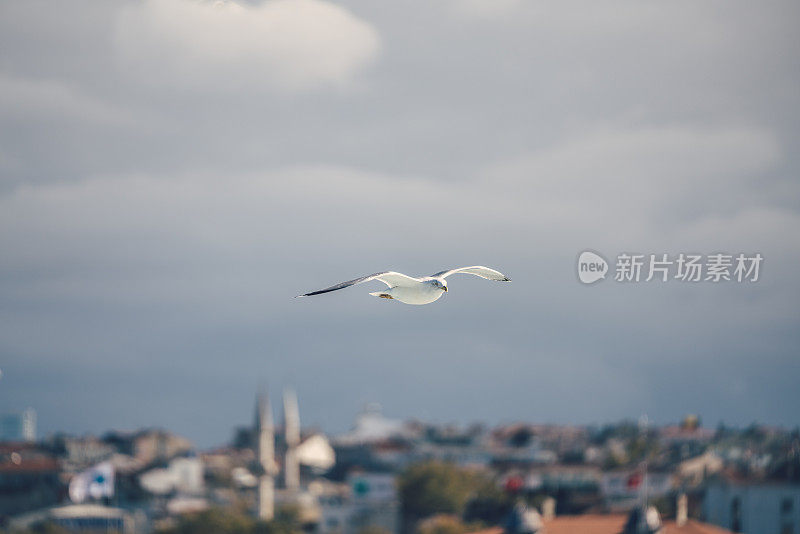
x=586 y=524
x=30 y=466
x=610 y=524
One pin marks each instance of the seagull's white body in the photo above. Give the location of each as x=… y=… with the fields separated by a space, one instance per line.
x=417 y=291
x=418 y=294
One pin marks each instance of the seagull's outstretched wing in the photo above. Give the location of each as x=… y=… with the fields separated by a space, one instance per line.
x=390 y=278
x=477 y=270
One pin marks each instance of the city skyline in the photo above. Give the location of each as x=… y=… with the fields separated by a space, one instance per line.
x=35 y=433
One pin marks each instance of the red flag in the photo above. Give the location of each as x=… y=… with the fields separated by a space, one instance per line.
x=634 y=480
x=514 y=484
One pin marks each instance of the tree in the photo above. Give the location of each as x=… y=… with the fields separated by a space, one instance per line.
x=47 y=527
x=442 y=524
x=231 y=521
x=432 y=488
x=489 y=504
x=286 y=521
x=212 y=521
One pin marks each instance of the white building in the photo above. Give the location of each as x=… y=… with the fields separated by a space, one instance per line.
x=372 y=426
x=183 y=475
x=316 y=452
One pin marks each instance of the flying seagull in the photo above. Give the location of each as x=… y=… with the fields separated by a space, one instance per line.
x=410 y=290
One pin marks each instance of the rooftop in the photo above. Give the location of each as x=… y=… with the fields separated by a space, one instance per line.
x=611 y=524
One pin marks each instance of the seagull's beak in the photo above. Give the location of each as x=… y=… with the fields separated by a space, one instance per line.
x=445 y=289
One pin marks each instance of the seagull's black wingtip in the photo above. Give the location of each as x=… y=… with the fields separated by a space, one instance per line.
x=506 y=279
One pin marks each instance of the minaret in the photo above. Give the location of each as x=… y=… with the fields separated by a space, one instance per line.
x=265 y=454
x=291 y=430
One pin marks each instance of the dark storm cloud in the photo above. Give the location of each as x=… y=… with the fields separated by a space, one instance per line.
x=155 y=223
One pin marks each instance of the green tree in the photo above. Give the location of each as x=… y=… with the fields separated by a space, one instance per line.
x=442 y=524
x=489 y=504
x=431 y=488
x=213 y=521
x=286 y=521
x=232 y=521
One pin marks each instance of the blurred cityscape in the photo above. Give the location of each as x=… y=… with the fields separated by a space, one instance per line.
x=389 y=476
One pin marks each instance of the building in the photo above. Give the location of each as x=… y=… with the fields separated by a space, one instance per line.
x=576 y=488
x=78 y=453
x=81 y=518
x=366 y=500
x=694 y=471
x=296 y=458
x=183 y=474
x=149 y=445
x=371 y=426
x=291 y=435
x=622 y=490
x=29 y=479
x=610 y=524
x=265 y=457
x=18 y=426
x=753 y=508
x=315 y=453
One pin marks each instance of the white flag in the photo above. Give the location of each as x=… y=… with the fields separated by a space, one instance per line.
x=95 y=482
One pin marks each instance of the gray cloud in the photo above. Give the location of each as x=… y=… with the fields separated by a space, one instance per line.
x=243 y=47
x=157 y=220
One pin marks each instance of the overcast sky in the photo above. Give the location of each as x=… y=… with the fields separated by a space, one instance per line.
x=173 y=172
